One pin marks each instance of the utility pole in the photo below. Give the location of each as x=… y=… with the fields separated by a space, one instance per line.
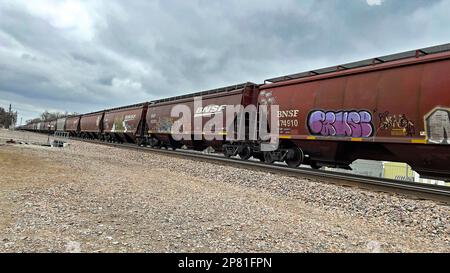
x=10 y=116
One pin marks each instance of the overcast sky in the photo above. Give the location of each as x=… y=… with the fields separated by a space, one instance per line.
x=71 y=55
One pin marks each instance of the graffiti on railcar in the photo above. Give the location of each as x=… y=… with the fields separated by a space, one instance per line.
x=164 y=124
x=349 y=123
x=122 y=123
x=266 y=98
x=118 y=125
x=437 y=125
x=399 y=125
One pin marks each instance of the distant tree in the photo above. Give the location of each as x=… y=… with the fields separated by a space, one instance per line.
x=33 y=120
x=46 y=116
x=3 y=117
x=13 y=119
x=7 y=118
x=52 y=115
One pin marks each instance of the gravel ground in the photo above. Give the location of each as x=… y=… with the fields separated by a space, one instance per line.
x=93 y=198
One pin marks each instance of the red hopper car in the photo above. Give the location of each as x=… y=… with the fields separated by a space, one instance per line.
x=392 y=108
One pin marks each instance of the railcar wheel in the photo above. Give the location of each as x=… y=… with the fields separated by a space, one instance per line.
x=314 y=165
x=246 y=153
x=268 y=158
x=259 y=156
x=295 y=157
x=227 y=154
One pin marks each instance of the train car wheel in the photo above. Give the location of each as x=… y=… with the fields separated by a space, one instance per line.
x=227 y=153
x=268 y=157
x=246 y=153
x=295 y=157
x=259 y=156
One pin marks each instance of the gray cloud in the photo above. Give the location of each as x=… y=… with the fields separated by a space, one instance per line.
x=87 y=55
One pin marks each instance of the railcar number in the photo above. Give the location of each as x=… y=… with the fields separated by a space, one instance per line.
x=288 y=123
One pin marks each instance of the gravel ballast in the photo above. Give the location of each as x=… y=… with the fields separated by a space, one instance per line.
x=94 y=198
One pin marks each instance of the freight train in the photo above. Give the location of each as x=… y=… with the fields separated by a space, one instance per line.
x=391 y=108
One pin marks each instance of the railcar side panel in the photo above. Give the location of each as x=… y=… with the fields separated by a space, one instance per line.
x=91 y=123
x=72 y=125
x=45 y=126
x=122 y=121
x=124 y=124
x=394 y=114
x=160 y=121
x=52 y=126
x=60 y=124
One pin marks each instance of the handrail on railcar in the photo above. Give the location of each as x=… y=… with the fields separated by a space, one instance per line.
x=368 y=62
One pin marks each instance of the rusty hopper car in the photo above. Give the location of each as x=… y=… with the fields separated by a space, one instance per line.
x=60 y=124
x=52 y=126
x=91 y=125
x=45 y=126
x=392 y=108
x=26 y=127
x=159 y=120
x=29 y=127
x=73 y=125
x=125 y=124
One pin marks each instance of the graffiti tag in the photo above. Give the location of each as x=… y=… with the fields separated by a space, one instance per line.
x=396 y=124
x=438 y=126
x=266 y=98
x=341 y=123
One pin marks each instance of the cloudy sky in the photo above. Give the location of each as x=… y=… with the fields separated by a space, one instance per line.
x=74 y=55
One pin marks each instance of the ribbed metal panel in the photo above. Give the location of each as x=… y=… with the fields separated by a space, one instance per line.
x=207 y=92
x=363 y=63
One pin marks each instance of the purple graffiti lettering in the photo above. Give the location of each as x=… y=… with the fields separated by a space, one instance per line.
x=354 y=121
x=321 y=123
x=341 y=123
x=315 y=122
x=366 y=124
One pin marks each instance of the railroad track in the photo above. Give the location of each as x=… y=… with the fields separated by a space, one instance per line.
x=412 y=189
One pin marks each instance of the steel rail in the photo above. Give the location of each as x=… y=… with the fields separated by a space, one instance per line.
x=412 y=189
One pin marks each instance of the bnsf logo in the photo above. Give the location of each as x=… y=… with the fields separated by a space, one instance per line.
x=129 y=117
x=209 y=110
x=288 y=114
